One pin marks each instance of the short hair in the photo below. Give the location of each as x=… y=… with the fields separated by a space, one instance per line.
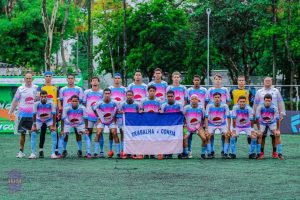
x=197 y=76
x=138 y=71
x=151 y=87
x=216 y=93
x=70 y=75
x=170 y=92
x=158 y=70
x=241 y=76
x=43 y=92
x=75 y=96
x=176 y=73
x=218 y=75
x=241 y=97
x=106 y=90
x=96 y=77
x=268 y=96
x=129 y=91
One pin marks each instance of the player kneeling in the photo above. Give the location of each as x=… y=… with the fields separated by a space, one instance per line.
x=215 y=118
x=194 y=114
x=268 y=118
x=242 y=115
x=74 y=116
x=106 y=112
x=44 y=112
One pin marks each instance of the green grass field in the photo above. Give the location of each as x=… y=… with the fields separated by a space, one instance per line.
x=74 y=178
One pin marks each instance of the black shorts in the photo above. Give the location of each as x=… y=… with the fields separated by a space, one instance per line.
x=25 y=124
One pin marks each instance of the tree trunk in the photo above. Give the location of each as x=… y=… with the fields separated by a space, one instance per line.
x=274 y=10
x=62 y=33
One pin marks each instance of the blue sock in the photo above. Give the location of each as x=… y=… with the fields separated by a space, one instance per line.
x=96 y=147
x=209 y=148
x=101 y=142
x=61 y=143
x=87 y=143
x=79 y=144
x=279 y=148
x=111 y=145
x=117 y=145
x=203 y=150
x=54 y=141
x=122 y=146
x=258 y=148
x=190 y=139
x=185 y=150
x=222 y=141
x=226 y=148
x=33 y=142
x=212 y=142
x=65 y=145
x=252 y=146
x=233 y=145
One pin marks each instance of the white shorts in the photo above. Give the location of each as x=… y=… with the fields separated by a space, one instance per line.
x=246 y=130
x=120 y=122
x=92 y=124
x=110 y=126
x=272 y=127
x=222 y=129
x=80 y=128
x=40 y=124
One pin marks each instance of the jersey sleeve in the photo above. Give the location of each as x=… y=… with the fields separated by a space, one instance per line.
x=85 y=116
x=60 y=95
x=207 y=110
x=184 y=109
x=80 y=94
x=39 y=89
x=84 y=96
x=162 y=107
x=277 y=116
x=17 y=96
x=35 y=107
x=227 y=111
x=228 y=99
x=53 y=108
x=258 y=112
x=280 y=102
x=251 y=113
x=257 y=98
x=207 y=98
x=65 y=112
x=233 y=115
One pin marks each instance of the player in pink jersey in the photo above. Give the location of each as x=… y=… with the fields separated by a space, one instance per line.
x=65 y=94
x=24 y=99
x=118 y=94
x=179 y=90
x=161 y=85
x=138 y=87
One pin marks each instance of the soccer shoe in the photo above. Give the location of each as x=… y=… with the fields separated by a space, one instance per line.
x=58 y=156
x=261 y=156
x=124 y=156
x=41 y=154
x=190 y=155
x=202 y=157
x=160 y=157
x=275 y=155
x=79 y=154
x=209 y=156
x=213 y=154
x=146 y=157
x=88 y=156
x=110 y=154
x=32 y=156
x=121 y=153
x=232 y=156
x=185 y=156
x=222 y=154
x=53 y=156
x=280 y=157
x=20 y=154
x=64 y=154
x=170 y=156
x=95 y=155
x=180 y=156
x=225 y=156
x=56 y=152
x=101 y=155
x=252 y=156
x=152 y=157
x=119 y=156
x=140 y=157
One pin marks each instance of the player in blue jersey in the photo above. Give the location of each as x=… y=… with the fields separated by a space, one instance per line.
x=161 y=85
x=74 y=116
x=267 y=116
x=179 y=90
x=44 y=112
x=243 y=120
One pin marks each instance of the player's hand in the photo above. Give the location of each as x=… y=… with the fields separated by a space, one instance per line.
x=141 y=111
x=281 y=117
x=161 y=111
x=228 y=134
x=34 y=127
x=185 y=137
x=277 y=132
x=62 y=132
x=87 y=131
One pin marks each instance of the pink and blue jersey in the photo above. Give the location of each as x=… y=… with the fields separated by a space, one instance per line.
x=180 y=93
x=151 y=105
x=129 y=108
x=74 y=117
x=242 y=116
x=139 y=91
x=161 y=89
x=118 y=94
x=267 y=115
x=26 y=96
x=171 y=108
x=200 y=92
x=225 y=95
x=217 y=115
x=90 y=99
x=193 y=117
x=65 y=94
x=44 y=112
x=106 y=111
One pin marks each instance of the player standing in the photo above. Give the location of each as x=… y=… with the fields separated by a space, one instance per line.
x=161 y=85
x=138 y=87
x=44 y=113
x=179 y=90
x=24 y=99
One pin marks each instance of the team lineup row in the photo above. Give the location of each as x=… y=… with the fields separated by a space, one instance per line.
x=205 y=112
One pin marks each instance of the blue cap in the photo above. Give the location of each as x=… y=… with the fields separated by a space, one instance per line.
x=117 y=74
x=48 y=73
